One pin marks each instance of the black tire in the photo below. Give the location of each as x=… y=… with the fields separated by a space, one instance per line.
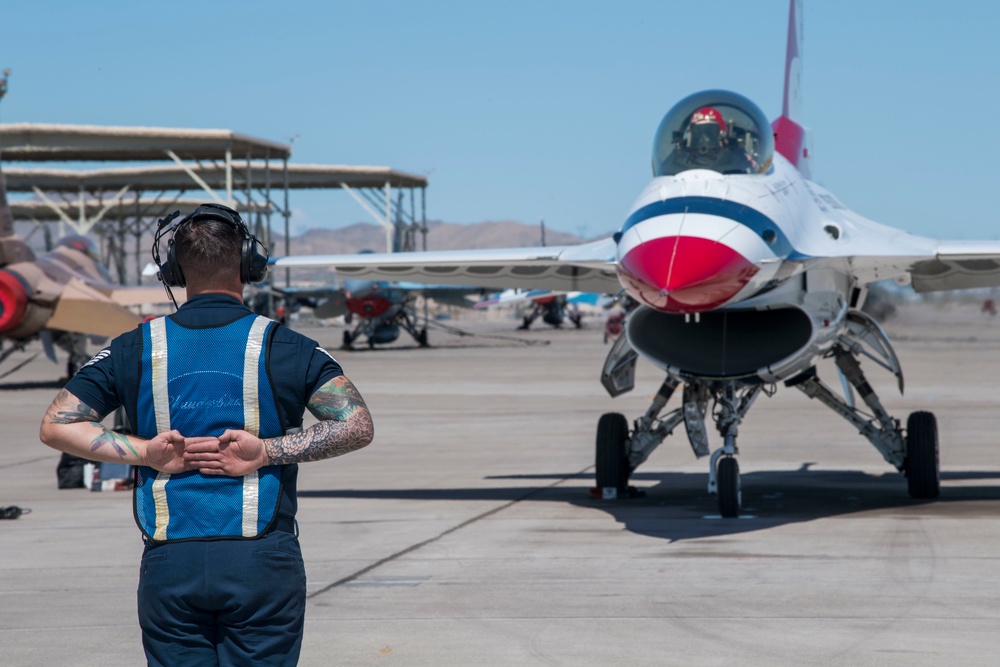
x=347 y=341
x=611 y=461
x=730 y=492
x=923 y=472
x=422 y=338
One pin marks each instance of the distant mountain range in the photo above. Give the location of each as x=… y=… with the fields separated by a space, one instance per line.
x=352 y=239
x=440 y=236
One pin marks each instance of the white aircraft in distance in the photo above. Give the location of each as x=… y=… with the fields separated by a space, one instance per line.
x=553 y=307
x=746 y=274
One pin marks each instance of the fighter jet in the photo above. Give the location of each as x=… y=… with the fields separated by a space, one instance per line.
x=746 y=274
x=375 y=312
x=64 y=296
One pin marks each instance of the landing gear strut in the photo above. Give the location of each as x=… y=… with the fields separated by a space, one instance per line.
x=913 y=450
x=732 y=402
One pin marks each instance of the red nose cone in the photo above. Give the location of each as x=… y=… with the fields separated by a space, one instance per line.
x=685 y=274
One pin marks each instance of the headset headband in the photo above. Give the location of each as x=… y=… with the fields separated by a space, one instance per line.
x=214 y=212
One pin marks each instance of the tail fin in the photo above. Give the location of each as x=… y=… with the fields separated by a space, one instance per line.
x=12 y=247
x=789 y=136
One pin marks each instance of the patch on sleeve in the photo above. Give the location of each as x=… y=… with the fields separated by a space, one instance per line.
x=100 y=356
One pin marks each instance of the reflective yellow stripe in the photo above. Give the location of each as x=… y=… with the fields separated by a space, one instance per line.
x=251 y=502
x=251 y=419
x=251 y=361
x=161 y=390
x=160 y=503
x=161 y=412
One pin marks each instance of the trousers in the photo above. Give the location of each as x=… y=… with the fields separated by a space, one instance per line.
x=223 y=602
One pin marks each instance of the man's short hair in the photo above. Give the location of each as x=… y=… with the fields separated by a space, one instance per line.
x=208 y=251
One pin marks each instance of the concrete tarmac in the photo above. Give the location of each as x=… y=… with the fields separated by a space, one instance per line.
x=466 y=533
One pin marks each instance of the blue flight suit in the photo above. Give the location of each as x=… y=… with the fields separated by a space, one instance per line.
x=210 y=593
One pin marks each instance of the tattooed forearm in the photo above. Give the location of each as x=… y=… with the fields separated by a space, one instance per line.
x=345 y=425
x=109 y=437
x=321 y=441
x=67 y=409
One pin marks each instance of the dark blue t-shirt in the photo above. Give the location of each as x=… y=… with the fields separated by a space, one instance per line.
x=297 y=367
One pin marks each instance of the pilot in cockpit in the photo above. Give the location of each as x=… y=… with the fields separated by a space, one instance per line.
x=706 y=132
x=709 y=142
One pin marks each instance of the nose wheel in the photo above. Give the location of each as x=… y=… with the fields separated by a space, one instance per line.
x=732 y=404
x=729 y=487
x=923 y=474
x=612 y=466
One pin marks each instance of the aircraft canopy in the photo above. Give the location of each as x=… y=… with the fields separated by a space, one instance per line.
x=716 y=130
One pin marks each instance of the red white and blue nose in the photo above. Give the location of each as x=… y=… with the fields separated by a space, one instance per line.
x=689 y=263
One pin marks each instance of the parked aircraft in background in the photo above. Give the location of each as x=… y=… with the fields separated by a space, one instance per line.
x=375 y=312
x=746 y=273
x=62 y=297
x=553 y=307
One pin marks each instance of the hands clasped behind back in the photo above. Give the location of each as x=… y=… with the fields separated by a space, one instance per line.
x=234 y=453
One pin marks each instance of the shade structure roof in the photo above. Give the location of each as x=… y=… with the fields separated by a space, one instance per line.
x=172 y=177
x=150 y=207
x=44 y=142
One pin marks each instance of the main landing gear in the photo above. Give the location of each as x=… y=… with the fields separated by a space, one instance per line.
x=620 y=450
x=620 y=453
x=381 y=331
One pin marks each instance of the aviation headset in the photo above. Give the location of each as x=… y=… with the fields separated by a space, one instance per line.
x=253 y=262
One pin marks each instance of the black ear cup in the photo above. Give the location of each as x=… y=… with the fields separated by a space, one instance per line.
x=170 y=270
x=253 y=268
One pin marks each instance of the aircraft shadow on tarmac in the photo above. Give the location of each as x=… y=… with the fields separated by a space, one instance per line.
x=361 y=349
x=677 y=506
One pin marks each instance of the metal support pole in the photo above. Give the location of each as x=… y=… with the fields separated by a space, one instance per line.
x=250 y=192
x=138 y=242
x=413 y=216
x=288 y=214
x=388 y=217
x=267 y=193
x=423 y=214
x=229 y=177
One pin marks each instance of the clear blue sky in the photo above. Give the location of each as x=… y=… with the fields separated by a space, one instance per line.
x=524 y=110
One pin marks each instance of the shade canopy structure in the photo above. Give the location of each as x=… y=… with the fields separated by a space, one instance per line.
x=37 y=210
x=46 y=142
x=179 y=177
x=219 y=165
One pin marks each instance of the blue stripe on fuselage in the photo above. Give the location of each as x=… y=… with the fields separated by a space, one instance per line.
x=722 y=208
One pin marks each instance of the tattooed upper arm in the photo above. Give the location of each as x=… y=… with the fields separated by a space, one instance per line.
x=344 y=426
x=338 y=399
x=68 y=409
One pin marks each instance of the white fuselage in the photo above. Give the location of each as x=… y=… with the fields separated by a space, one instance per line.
x=702 y=244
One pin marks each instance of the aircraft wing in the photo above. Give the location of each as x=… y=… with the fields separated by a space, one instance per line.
x=83 y=309
x=589 y=267
x=448 y=295
x=877 y=252
x=943 y=265
x=143 y=295
x=325 y=300
x=958 y=265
